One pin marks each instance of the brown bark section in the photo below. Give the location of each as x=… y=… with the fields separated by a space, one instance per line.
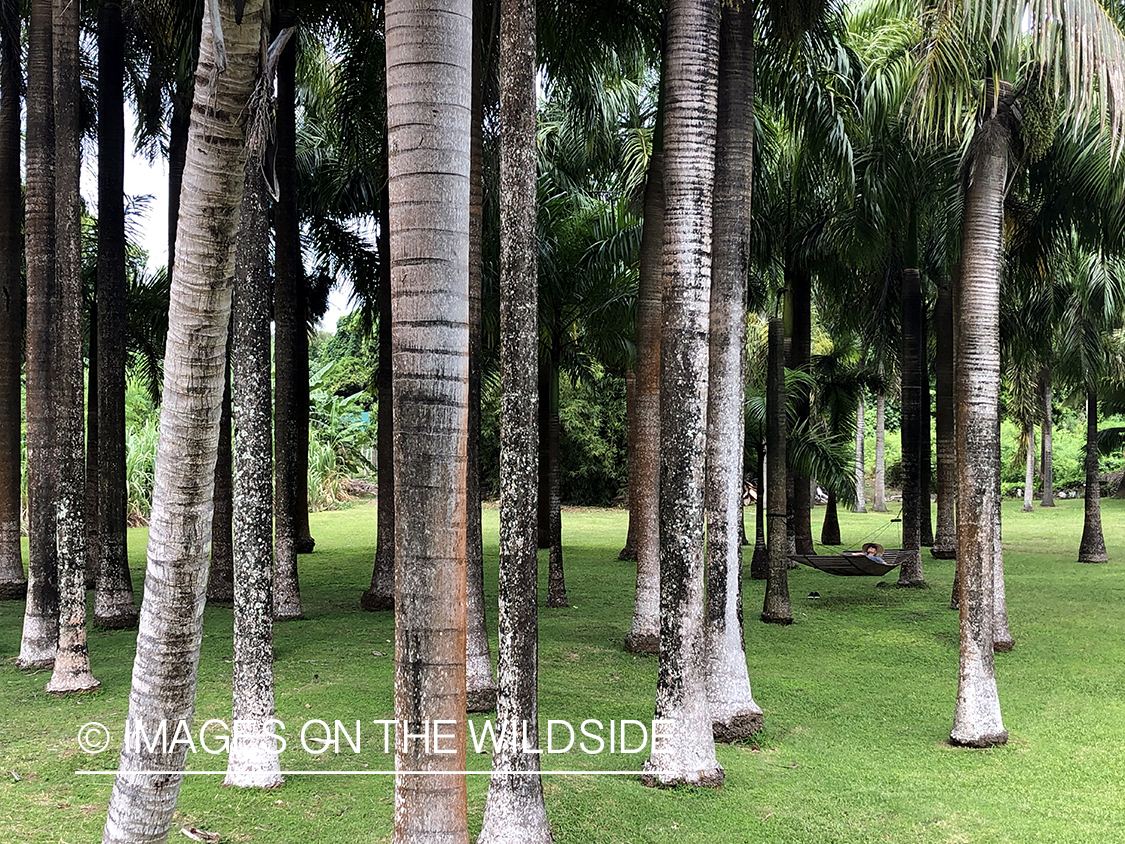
x=90 y=494
x=910 y=570
x=830 y=530
x=879 y=493
x=925 y=451
x=13 y=583
x=629 y=552
x=800 y=286
x=776 y=609
x=1092 y=547
x=1048 y=462
x=220 y=582
x=760 y=562
x=945 y=534
x=549 y=417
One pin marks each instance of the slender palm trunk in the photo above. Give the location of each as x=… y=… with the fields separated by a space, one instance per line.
x=13 y=584
x=734 y=714
x=480 y=685
x=429 y=94
x=288 y=322
x=220 y=582
x=879 y=502
x=776 y=609
x=800 y=286
x=1048 y=463
x=253 y=761
x=556 y=581
x=830 y=530
x=114 y=605
x=380 y=595
x=515 y=812
x=1001 y=636
x=977 y=721
x=90 y=492
x=303 y=398
x=760 y=562
x=925 y=452
x=910 y=570
x=142 y=805
x=629 y=552
x=1029 y=470
x=1092 y=548
x=686 y=753
x=644 y=634
x=72 y=658
x=41 y=615
x=945 y=533
x=860 y=462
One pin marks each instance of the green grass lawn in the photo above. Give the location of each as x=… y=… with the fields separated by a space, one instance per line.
x=858 y=696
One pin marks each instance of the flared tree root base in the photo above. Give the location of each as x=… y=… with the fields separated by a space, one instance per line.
x=480 y=700
x=121 y=621
x=35 y=664
x=304 y=544
x=777 y=619
x=991 y=740
x=743 y=725
x=13 y=591
x=943 y=552
x=642 y=643
x=712 y=778
x=73 y=685
x=1003 y=645
x=374 y=602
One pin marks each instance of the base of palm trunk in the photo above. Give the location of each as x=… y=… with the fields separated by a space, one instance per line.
x=985 y=740
x=628 y=553
x=1093 y=558
x=760 y=563
x=253 y=764
x=13 y=590
x=480 y=700
x=287 y=613
x=115 y=609
x=72 y=682
x=943 y=551
x=770 y=618
x=642 y=643
x=304 y=544
x=118 y=621
x=920 y=583
x=1003 y=645
x=668 y=776
x=374 y=602
x=514 y=812
x=739 y=726
x=222 y=595
x=1046 y=503
x=35 y=664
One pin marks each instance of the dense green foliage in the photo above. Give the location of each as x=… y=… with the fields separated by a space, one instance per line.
x=857 y=696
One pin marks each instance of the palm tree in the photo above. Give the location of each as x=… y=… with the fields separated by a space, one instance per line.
x=734 y=713
x=429 y=94
x=910 y=570
x=515 y=810
x=41 y=614
x=687 y=754
x=143 y=802
x=253 y=759
x=13 y=584
x=114 y=605
x=776 y=608
x=945 y=533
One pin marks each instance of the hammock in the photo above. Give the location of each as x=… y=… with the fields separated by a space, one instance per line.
x=849 y=564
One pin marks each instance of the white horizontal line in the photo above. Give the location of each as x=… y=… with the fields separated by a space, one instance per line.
x=383 y=773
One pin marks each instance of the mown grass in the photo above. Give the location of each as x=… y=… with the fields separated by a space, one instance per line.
x=858 y=696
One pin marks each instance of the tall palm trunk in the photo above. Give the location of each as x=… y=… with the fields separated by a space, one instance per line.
x=253 y=761
x=800 y=287
x=734 y=714
x=114 y=605
x=429 y=96
x=1029 y=470
x=164 y=671
x=556 y=581
x=687 y=754
x=644 y=634
x=1092 y=547
x=1048 y=467
x=303 y=398
x=760 y=562
x=945 y=533
x=288 y=322
x=41 y=615
x=629 y=552
x=860 y=461
x=776 y=608
x=977 y=721
x=480 y=685
x=220 y=581
x=13 y=584
x=515 y=811
x=380 y=595
x=830 y=529
x=1001 y=636
x=925 y=452
x=910 y=568
x=90 y=491
x=72 y=658
x=879 y=493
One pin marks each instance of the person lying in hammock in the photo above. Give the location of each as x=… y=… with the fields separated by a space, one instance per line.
x=873 y=551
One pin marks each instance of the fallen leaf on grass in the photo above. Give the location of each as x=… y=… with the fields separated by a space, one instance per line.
x=199 y=835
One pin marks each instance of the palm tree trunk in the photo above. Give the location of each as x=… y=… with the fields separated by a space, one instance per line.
x=164 y=672
x=776 y=609
x=629 y=552
x=945 y=534
x=429 y=90
x=72 y=658
x=760 y=562
x=910 y=569
x=686 y=756
x=13 y=584
x=734 y=713
x=380 y=595
x=1029 y=470
x=220 y=581
x=41 y=614
x=514 y=811
x=644 y=633
x=925 y=457
x=114 y=605
x=800 y=286
x=556 y=582
x=480 y=685
x=90 y=490
x=1048 y=470
x=977 y=721
x=1092 y=548
x=303 y=397
x=288 y=322
x=860 y=462
x=879 y=504
x=253 y=761
x=1002 y=640
x=830 y=530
